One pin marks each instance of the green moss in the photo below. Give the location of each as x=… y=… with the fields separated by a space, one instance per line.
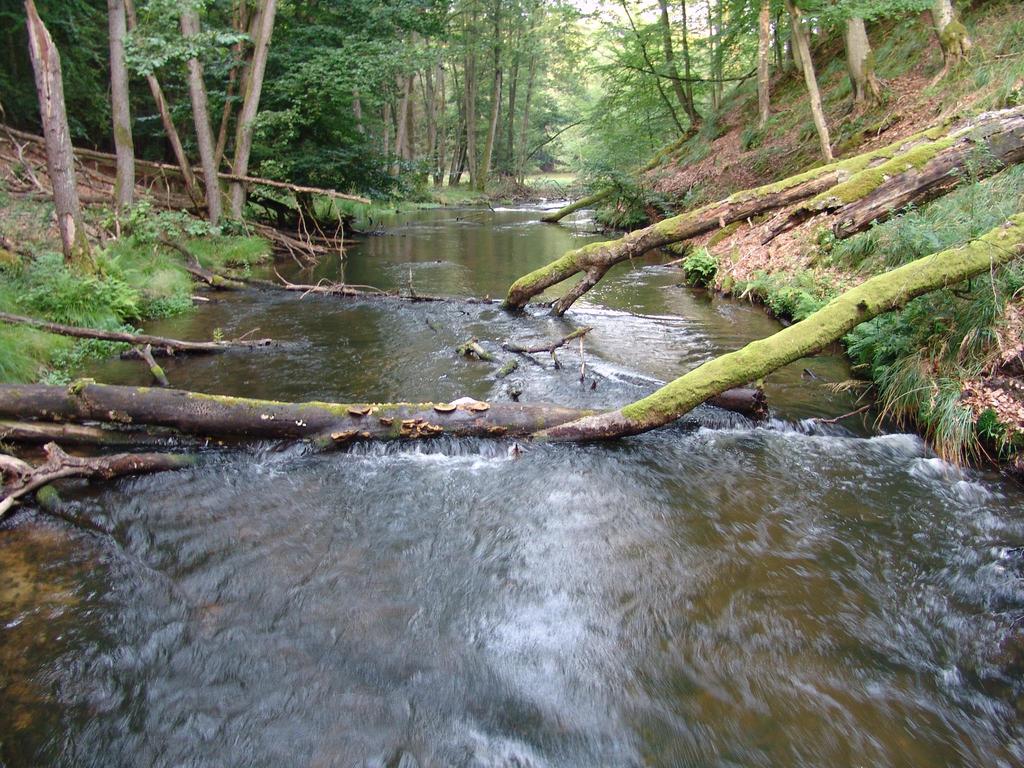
x=866 y=181
x=723 y=233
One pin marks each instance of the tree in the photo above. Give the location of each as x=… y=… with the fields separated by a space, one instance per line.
x=953 y=37
x=802 y=50
x=764 y=62
x=124 y=186
x=201 y=118
x=251 y=90
x=860 y=61
x=60 y=158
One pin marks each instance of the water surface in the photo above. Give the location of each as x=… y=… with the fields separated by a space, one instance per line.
x=713 y=594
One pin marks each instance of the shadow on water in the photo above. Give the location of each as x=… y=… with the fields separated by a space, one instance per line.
x=711 y=594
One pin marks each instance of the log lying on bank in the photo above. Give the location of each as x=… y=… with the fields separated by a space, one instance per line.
x=23 y=480
x=987 y=145
x=158 y=344
x=877 y=295
x=846 y=180
x=222 y=417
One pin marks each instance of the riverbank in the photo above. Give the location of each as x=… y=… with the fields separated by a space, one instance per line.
x=137 y=280
x=949 y=364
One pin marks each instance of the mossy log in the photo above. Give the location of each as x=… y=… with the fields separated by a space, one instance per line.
x=882 y=293
x=990 y=143
x=159 y=344
x=326 y=424
x=844 y=180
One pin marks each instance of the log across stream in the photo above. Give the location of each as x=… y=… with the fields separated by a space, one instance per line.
x=793 y=592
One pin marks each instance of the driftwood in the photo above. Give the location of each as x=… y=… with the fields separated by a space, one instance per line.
x=551 y=348
x=25 y=480
x=157 y=343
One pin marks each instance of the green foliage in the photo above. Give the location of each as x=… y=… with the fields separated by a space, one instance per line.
x=56 y=292
x=700 y=267
x=920 y=357
x=793 y=298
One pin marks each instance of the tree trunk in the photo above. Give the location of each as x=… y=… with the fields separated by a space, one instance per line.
x=670 y=58
x=860 y=62
x=430 y=111
x=803 y=51
x=124 y=184
x=441 y=121
x=327 y=424
x=470 y=109
x=60 y=158
x=952 y=34
x=524 y=125
x=484 y=171
x=357 y=111
x=252 y=87
x=201 y=118
x=401 y=125
x=188 y=178
x=763 y=64
x=241 y=22
x=691 y=106
x=875 y=296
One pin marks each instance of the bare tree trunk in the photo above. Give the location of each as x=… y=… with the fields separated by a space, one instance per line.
x=357 y=111
x=803 y=51
x=860 y=62
x=715 y=43
x=241 y=21
x=430 y=111
x=670 y=58
x=170 y=130
x=442 y=128
x=252 y=87
x=401 y=125
x=953 y=37
x=471 y=94
x=524 y=127
x=484 y=170
x=201 y=118
x=60 y=158
x=124 y=185
x=386 y=121
x=691 y=107
x=764 y=43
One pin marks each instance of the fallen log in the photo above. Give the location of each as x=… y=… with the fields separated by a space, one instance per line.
x=594 y=260
x=981 y=148
x=146 y=355
x=41 y=432
x=194 y=268
x=877 y=295
x=60 y=465
x=326 y=424
x=156 y=342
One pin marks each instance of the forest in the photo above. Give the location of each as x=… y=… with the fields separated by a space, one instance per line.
x=515 y=382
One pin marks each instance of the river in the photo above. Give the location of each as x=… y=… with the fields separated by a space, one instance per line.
x=716 y=593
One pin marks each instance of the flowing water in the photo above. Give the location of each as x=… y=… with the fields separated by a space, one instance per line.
x=713 y=594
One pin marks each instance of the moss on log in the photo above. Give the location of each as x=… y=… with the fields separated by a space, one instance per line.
x=946 y=156
x=874 y=296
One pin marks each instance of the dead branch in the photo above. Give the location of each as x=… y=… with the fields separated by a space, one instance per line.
x=157 y=342
x=60 y=465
